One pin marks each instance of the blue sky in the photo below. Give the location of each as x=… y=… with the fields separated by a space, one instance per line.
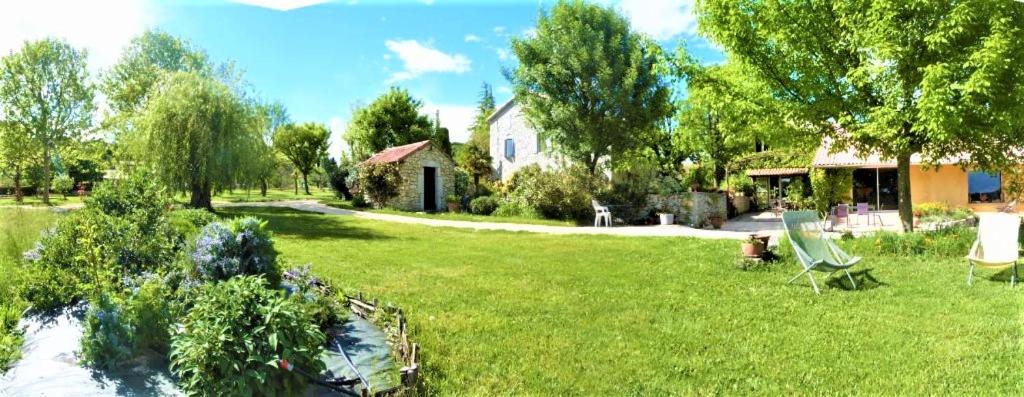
x=321 y=59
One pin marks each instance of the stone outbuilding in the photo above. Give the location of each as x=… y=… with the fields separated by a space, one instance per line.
x=428 y=174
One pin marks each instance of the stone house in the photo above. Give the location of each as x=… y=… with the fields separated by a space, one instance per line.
x=428 y=174
x=514 y=143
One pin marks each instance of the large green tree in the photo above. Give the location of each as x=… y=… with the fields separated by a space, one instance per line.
x=938 y=78
x=45 y=95
x=196 y=133
x=17 y=153
x=130 y=81
x=271 y=117
x=726 y=113
x=393 y=119
x=589 y=83
x=304 y=145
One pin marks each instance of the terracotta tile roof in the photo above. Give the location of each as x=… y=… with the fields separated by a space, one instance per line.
x=396 y=154
x=776 y=171
x=849 y=158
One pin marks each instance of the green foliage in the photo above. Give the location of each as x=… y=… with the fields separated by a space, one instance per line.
x=188 y=222
x=243 y=246
x=49 y=288
x=562 y=194
x=900 y=77
x=516 y=209
x=590 y=83
x=320 y=301
x=235 y=336
x=483 y=205
x=698 y=177
x=743 y=184
x=108 y=340
x=952 y=242
x=151 y=309
x=10 y=334
x=46 y=101
x=302 y=144
x=137 y=73
x=461 y=185
x=393 y=119
x=63 y=184
x=831 y=186
x=210 y=151
x=338 y=179
x=380 y=182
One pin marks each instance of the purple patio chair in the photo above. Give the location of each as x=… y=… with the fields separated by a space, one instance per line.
x=863 y=209
x=840 y=212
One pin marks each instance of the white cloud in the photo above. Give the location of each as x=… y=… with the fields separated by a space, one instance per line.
x=284 y=5
x=661 y=19
x=418 y=59
x=504 y=89
x=503 y=54
x=103 y=28
x=457 y=118
x=337 y=140
x=472 y=38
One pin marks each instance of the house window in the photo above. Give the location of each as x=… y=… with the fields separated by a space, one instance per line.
x=984 y=187
x=510 y=148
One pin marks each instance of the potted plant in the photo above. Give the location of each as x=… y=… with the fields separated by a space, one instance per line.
x=453 y=202
x=665 y=215
x=752 y=247
x=716 y=220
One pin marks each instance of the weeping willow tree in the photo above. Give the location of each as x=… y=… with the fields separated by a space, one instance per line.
x=197 y=134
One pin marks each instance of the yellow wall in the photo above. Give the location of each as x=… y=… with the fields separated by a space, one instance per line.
x=947 y=184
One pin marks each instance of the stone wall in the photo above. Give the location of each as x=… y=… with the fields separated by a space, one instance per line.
x=410 y=196
x=512 y=124
x=692 y=208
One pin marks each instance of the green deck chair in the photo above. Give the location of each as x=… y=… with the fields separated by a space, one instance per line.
x=815 y=252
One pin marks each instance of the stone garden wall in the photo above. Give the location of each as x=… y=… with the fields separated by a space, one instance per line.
x=692 y=208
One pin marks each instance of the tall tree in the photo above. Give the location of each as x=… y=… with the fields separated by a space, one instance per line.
x=393 y=119
x=939 y=78
x=129 y=82
x=589 y=83
x=475 y=157
x=45 y=94
x=441 y=137
x=271 y=117
x=17 y=152
x=196 y=133
x=724 y=115
x=302 y=144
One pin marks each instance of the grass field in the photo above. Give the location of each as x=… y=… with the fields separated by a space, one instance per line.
x=19 y=230
x=457 y=216
x=37 y=201
x=526 y=314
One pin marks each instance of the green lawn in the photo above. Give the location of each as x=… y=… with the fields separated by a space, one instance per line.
x=458 y=216
x=37 y=201
x=525 y=314
x=19 y=230
x=250 y=196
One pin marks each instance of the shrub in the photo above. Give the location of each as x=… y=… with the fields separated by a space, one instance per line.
x=151 y=309
x=359 y=201
x=950 y=242
x=742 y=184
x=188 y=222
x=50 y=288
x=10 y=335
x=830 y=187
x=108 y=339
x=461 y=185
x=86 y=245
x=243 y=246
x=338 y=179
x=516 y=209
x=380 y=182
x=563 y=194
x=321 y=303
x=62 y=184
x=931 y=208
x=235 y=336
x=483 y=205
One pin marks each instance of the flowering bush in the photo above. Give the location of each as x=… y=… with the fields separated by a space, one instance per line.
x=108 y=339
x=319 y=298
x=235 y=337
x=243 y=246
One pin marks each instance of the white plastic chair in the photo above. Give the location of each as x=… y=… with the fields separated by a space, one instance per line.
x=996 y=246
x=601 y=213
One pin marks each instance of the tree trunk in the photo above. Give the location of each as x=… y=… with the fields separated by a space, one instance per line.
x=263 y=187
x=305 y=183
x=906 y=206
x=47 y=165
x=19 y=196
x=719 y=173
x=296 y=186
x=201 y=196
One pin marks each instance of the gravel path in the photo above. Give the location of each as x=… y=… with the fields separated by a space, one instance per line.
x=630 y=231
